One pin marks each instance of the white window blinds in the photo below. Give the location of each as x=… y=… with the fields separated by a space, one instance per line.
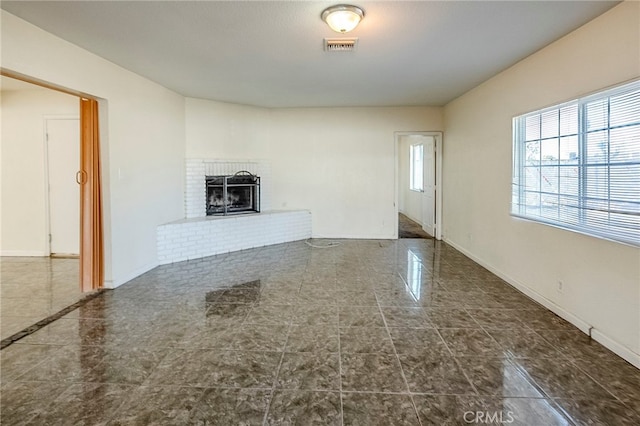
x=577 y=165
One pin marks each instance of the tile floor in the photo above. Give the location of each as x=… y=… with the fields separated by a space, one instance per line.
x=405 y=332
x=408 y=228
x=32 y=288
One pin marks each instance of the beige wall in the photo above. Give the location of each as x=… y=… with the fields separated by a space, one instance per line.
x=601 y=278
x=23 y=230
x=337 y=162
x=142 y=136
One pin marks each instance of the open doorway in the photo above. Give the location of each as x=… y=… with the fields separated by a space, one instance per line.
x=40 y=204
x=45 y=134
x=418 y=176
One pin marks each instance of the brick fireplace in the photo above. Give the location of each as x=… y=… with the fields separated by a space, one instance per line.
x=198 y=169
x=200 y=235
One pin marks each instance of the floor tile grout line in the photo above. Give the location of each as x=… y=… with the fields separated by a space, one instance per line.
x=404 y=377
x=126 y=401
x=539 y=388
x=340 y=369
x=586 y=372
x=571 y=360
x=268 y=388
x=338 y=308
x=457 y=362
x=564 y=412
x=518 y=368
x=274 y=386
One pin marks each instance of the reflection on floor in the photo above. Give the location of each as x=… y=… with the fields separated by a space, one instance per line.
x=368 y=332
x=32 y=288
x=408 y=228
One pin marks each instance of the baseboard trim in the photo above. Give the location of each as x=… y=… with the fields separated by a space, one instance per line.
x=600 y=337
x=620 y=350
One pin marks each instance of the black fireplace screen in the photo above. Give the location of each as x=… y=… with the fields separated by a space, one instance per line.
x=233 y=194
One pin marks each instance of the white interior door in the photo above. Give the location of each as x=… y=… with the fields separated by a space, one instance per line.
x=429 y=194
x=63 y=161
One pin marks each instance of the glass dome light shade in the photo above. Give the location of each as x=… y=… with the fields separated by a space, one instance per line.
x=342 y=18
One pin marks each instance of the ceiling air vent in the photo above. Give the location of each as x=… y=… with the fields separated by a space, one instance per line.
x=340 y=44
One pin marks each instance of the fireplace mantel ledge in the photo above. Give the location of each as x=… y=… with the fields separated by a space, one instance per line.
x=198 y=237
x=232 y=216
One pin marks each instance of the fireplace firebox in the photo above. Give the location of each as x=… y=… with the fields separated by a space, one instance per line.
x=233 y=194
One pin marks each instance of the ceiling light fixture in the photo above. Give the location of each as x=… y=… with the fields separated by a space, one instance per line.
x=342 y=18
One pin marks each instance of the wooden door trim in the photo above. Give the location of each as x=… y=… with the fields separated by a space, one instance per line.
x=91 y=240
x=27 y=79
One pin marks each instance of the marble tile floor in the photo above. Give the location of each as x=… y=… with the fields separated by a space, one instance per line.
x=404 y=332
x=33 y=288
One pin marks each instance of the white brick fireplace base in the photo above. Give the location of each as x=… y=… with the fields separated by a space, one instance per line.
x=200 y=235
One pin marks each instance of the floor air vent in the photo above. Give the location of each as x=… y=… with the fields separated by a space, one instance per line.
x=340 y=44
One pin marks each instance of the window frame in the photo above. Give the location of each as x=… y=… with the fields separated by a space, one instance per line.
x=610 y=229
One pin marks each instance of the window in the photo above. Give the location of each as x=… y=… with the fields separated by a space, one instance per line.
x=416 y=178
x=577 y=165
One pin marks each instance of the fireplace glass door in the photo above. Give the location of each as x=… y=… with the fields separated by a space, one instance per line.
x=233 y=194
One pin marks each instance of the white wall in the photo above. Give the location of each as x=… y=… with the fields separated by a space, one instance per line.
x=23 y=230
x=218 y=130
x=142 y=136
x=337 y=162
x=410 y=202
x=601 y=278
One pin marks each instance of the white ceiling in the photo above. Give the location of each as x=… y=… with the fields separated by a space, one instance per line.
x=270 y=53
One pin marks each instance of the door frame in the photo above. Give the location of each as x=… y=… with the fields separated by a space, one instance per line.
x=47 y=198
x=438 y=137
